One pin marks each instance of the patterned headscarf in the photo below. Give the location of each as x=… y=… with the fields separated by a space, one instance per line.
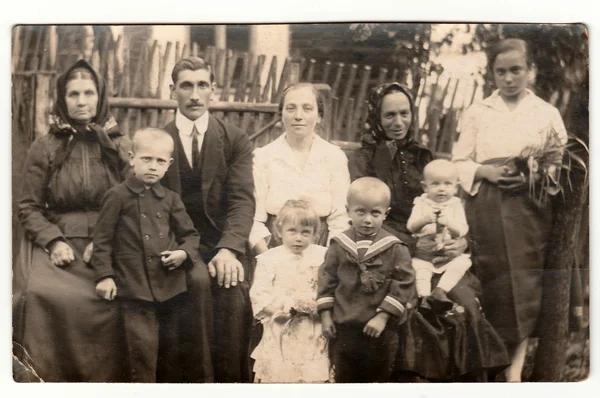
x=374 y=132
x=101 y=128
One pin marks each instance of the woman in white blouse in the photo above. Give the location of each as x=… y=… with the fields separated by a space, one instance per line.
x=509 y=229
x=299 y=165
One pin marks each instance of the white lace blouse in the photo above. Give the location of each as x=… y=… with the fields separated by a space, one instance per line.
x=278 y=176
x=490 y=130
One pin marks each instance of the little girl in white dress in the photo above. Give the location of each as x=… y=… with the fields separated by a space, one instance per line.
x=283 y=294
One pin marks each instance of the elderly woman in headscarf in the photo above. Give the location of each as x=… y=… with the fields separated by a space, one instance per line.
x=389 y=152
x=458 y=344
x=66 y=332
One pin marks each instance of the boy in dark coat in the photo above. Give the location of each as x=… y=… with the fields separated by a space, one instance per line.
x=142 y=239
x=366 y=281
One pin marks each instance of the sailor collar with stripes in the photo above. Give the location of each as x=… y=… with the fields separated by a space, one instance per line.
x=382 y=241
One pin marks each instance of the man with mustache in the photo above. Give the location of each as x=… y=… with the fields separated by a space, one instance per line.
x=212 y=171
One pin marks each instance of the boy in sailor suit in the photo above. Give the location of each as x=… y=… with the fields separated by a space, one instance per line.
x=365 y=286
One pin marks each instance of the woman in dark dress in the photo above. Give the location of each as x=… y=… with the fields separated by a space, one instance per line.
x=65 y=329
x=455 y=345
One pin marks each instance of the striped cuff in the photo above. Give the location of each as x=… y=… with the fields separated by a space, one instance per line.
x=324 y=303
x=391 y=305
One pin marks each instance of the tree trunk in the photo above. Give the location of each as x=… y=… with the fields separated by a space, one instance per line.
x=550 y=359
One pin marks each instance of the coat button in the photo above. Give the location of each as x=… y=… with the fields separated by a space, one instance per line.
x=141 y=195
x=158 y=215
x=405 y=182
x=144 y=215
x=149 y=259
x=160 y=236
x=147 y=237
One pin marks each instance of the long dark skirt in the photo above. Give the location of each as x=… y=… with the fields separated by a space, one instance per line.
x=509 y=232
x=65 y=329
x=451 y=345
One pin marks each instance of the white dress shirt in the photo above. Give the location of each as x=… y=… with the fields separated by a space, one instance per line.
x=490 y=130
x=185 y=127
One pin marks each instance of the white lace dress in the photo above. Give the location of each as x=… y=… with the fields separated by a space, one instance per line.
x=295 y=350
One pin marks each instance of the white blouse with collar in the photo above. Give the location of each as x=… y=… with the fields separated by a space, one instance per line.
x=490 y=130
x=279 y=176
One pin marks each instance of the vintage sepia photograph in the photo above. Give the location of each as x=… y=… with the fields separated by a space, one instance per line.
x=358 y=202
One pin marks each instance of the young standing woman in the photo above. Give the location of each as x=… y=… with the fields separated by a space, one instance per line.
x=509 y=229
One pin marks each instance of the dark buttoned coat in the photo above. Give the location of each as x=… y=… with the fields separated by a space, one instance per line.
x=134 y=226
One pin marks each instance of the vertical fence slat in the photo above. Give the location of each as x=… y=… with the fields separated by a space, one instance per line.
x=473 y=94
x=362 y=93
x=311 y=70
x=221 y=65
x=394 y=75
x=24 y=50
x=148 y=69
x=195 y=50
x=382 y=75
x=110 y=71
x=349 y=85
x=162 y=71
x=36 y=50
x=326 y=70
x=16 y=48
x=270 y=82
x=301 y=65
x=348 y=136
x=230 y=63
x=338 y=78
x=255 y=87
x=283 y=80
x=295 y=72
x=337 y=130
x=273 y=76
x=240 y=94
x=454 y=91
x=45 y=50
x=177 y=53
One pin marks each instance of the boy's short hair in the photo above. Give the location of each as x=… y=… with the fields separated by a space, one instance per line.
x=152 y=134
x=369 y=185
x=299 y=212
x=439 y=165
x=191 y=63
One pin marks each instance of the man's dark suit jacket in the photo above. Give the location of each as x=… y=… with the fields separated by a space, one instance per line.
x=227 y=183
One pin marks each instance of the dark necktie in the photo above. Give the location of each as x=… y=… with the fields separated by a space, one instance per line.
x=195 y=150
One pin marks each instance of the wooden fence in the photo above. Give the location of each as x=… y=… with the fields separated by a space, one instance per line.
x=139 y=73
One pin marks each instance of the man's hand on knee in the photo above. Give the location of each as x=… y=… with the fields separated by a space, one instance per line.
x=227 y=268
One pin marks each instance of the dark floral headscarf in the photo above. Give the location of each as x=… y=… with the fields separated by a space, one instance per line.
x=374 y=132
x=102 y=127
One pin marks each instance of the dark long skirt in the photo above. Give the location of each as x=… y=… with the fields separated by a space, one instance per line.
x=65 y=329
x=509 y=232
x=452 y=345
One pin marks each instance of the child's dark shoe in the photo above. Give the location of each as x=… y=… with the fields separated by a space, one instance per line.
x=425 y=307
x=439 y=301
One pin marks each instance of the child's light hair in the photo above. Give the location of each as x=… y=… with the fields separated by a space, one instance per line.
x=439 y=166
x=371 y=186
x=151 y=134
x=298 y=212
